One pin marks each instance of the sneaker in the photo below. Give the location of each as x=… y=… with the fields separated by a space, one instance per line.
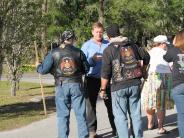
x=93 y=135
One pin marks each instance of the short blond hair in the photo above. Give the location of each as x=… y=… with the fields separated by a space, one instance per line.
x=179 y=40
x=97 y=25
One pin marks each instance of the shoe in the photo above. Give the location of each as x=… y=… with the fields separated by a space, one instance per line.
x=163 y=132
x=114 y=133
x=93 y=135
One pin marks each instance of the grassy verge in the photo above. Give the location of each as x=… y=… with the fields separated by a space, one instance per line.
x=19 y=111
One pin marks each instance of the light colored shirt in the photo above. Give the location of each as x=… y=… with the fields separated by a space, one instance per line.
x=157 y=63
x=90 y=48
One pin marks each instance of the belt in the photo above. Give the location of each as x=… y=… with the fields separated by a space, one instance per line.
x=60 y=81
x=91 y=77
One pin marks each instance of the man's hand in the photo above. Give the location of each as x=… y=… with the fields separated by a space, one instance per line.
x=97 y=57
x=103 y=95
x=102 y=92
x=37 y=63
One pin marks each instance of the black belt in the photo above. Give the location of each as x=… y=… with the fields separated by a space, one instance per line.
x=60 y=81
x=72 y=81
x=91 y=77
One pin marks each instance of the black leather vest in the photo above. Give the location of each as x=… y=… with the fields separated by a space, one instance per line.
x=68 y=63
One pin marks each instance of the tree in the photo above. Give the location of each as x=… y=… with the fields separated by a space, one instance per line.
x=140 y=19
x=20 y=20
x=77 y=15
x=101 y=11
x=1 y=64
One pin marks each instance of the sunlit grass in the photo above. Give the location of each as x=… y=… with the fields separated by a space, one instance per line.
x=17 y=111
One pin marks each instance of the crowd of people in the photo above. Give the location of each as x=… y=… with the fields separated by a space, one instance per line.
x=114 y=69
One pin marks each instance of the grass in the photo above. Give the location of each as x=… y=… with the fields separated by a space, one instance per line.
x=19 y=111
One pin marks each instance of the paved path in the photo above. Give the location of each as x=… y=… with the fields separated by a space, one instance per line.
x=47 y=128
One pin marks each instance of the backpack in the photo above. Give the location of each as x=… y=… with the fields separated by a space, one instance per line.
x=128 y=65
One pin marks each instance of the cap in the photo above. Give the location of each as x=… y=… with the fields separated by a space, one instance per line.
x=67 y=35
x=161 y=39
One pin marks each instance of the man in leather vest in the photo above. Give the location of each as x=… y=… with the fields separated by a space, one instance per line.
x=67 y=64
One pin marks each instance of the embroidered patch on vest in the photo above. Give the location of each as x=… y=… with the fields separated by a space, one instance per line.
x=67 y=66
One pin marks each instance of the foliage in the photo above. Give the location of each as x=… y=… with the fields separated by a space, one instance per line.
x=20 y=20
x=76 y=15
x=139 y=19
x=24 y=21
x=28 y=68
x=145 y=18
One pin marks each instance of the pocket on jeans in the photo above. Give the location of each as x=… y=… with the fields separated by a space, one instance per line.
x=78 y=90
x=120 y=93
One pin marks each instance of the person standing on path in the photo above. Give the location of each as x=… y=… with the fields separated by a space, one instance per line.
x=176 y=55
x=122 y=68
x=93 y=49
x=67 y=64
x=157 y=89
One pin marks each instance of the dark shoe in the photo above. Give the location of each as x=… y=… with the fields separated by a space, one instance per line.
x=114 y=133
x=163 y=132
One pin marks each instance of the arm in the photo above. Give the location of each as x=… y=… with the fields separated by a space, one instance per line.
x=104 y=83
x=85 y=64
x=46 y=65
x=146 y=58
x=168 y=56
x=105 y=72
x=85 y=49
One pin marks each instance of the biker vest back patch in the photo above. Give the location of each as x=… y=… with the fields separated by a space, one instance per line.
x=67 y=66
x=127 y=66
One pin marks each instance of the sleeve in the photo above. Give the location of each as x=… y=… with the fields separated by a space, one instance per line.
x=144 y=55
x=85 y=64
x=46 y=65
x=106 y=65
x=90 y=60
x=168 y=56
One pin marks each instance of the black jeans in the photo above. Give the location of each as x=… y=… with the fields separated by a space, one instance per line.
x=108 y=104
x=92 y=86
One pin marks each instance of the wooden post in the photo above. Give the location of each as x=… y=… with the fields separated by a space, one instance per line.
x=40 y=78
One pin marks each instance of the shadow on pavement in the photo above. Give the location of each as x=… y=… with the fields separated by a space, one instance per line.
x=107 y=135
x=11 y=111
x=170 y=120
x=32 y=88
x=172 y=134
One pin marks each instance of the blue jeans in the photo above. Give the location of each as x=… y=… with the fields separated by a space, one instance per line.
x=121 y=101
x=70 y=95
x=178 y=97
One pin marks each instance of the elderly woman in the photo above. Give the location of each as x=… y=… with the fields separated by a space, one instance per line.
x=176 y=55
x=156 y=91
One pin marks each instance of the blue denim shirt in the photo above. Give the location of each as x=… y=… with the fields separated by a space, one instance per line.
x=46 y=65
x=90 y=48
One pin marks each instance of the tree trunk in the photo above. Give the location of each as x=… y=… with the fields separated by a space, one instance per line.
x=12 y=76
x=13 y=87
x=101 y=11
x=18 y=85
x=44 y=31
x=1 y=65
